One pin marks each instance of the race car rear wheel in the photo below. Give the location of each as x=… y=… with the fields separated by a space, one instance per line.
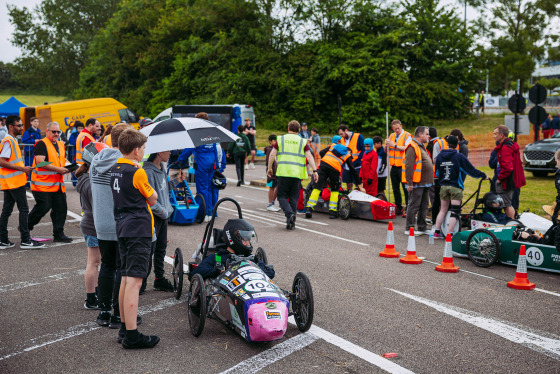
x=260 y=255
x=196 y=303
x=178 y=273
x=201 y=208
x=302 y=302
x=483 y=248
x=344 y=207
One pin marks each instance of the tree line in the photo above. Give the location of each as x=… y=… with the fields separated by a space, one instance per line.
x=289 y=59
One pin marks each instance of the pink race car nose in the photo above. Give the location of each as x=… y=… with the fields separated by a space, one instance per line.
x=267 y=321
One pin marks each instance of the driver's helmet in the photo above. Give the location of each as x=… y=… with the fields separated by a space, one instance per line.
x=219 y=180
x=493 y=201
x=91 y=150
x=240 y=236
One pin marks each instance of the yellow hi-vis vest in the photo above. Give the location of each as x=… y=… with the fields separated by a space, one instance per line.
x=291 y=156
x=442 y=145
x=79 y=147
x=107 y=140
x=396 y=157
x=417 y=164
x=43 y=180
x=11 y=178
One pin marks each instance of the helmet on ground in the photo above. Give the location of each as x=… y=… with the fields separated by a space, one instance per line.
x=493 y=201
x=240 y=236
x=91 y=150
x=145 y=122
x=219 y=180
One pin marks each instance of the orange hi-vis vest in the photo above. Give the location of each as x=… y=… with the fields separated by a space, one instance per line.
x=43 y=180
x=11 y=178
x=107 y=140
x=396 y=157
x=333 y=160
x=417 y=164
x=352 y=145
x=79 y=147
x=442 y=145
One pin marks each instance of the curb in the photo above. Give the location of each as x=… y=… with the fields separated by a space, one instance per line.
x=258 y=183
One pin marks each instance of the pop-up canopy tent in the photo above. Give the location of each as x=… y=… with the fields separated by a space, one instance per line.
x=11 y=107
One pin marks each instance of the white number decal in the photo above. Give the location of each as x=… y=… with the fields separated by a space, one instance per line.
x=258 y=285
x=535 y=256
x=116 y=186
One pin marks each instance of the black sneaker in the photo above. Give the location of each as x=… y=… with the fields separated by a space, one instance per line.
x=6 y=245
x=62 y=239
x=163 y=284
x=121 y=336
x=92 y=305
x=308 y=212
x=144 y=341
x=31 y=244
x=291 y=222
x=103 y=318
x=333 y=214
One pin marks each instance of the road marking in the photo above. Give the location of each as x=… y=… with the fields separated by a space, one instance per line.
x=466 y=271
x=529 y=338
x=247 y=186
x=48 y=279
x=306 y=221
x=548 y=292
x=301 y=228
x=77 y=330
x=270 y=356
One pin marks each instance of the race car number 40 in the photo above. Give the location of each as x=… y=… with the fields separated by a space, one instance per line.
x=258 y=285
x=535 y=256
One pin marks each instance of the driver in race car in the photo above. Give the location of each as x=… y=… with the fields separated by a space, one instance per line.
x=240 y=238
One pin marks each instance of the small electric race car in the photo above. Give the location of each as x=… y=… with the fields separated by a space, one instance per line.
x=187 y=208
x=485 y=247
x=242 y=297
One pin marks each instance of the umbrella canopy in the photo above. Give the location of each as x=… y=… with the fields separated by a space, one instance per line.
x=11 y=107
x=179 y=133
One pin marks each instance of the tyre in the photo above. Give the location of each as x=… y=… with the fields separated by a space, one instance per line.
x=381 y=196
x=178 y=273
x=260 y=255
x=483 y=248
x=201 y=208
x=344 y=207
x=196 y=303
x=445 y=224
x=540 y=174
x=302 y=302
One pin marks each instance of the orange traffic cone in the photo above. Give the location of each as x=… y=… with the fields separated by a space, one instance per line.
x=520 y=282
x=410 y=257
x=447 y=265
x=389 y=250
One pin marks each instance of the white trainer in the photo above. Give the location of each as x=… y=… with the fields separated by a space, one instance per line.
x=251 y=166
x=246 y=167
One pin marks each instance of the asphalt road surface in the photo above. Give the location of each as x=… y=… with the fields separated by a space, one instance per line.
x=365 y=306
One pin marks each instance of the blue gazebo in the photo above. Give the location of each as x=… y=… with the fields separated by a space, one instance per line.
x=11 y=107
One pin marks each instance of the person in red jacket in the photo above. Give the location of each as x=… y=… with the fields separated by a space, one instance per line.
x=511 y=169
x=368 y=171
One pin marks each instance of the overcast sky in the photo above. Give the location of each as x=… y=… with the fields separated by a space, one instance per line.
x=8 y=53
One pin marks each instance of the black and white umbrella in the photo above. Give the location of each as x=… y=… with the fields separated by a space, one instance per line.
x=179 y=133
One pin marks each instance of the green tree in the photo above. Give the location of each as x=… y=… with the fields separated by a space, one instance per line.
x=54 y=38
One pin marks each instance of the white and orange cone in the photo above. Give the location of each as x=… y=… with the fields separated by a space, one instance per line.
x=521 y=282
x=389 y=250
x=447 y=265
x=410 y=257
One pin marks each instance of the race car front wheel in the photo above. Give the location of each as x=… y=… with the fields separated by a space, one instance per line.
x=483 y=248
x=302 y=302
x=344 y=207
x=197 y=305
x=178 y=273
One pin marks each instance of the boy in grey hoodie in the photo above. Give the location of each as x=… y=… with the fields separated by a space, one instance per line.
x=109 y=280
x=162 y=210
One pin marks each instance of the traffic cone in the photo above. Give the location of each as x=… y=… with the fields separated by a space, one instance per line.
x=447 y=265
x=389 y=250
x=520 y=282
x=410 y=257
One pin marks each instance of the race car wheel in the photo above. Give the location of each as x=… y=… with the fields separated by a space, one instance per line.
x=178 y=273
x=483 y=248
x=344 y=206
x=260 y=255
x=302 y=302
x=201 y=208
x=445 y=224
x=197 y=305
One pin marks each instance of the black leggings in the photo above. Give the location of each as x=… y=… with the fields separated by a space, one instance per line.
x=239 y=159
x=109 y=281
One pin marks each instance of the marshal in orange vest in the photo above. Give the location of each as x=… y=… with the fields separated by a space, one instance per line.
x=80 y=147
x=417 y=164
x=43 y=180
x=11 y=178
x=396 y=157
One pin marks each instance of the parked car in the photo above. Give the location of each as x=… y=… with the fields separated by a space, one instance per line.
x=538 y=157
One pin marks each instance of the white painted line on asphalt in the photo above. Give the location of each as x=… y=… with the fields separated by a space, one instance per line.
x=529 y=338
x=77 y=217
x=270 y=356
x=306 y=221
x=548 y=292
x=48 y=339
x=466 y=271
x=169 y=260
x=47 y=279
x=301 y=228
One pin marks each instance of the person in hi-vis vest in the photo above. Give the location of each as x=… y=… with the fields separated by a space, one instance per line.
x=47 y=183
x=86 y=137
x=397 y=143
x=292 y=151
x=13 y=177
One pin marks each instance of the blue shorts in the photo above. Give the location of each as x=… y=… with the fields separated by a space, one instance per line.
x=91 y=241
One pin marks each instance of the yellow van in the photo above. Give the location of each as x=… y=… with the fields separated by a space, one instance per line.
x=106 y=110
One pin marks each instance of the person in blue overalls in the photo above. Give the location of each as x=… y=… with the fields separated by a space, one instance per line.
x=208 y=158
